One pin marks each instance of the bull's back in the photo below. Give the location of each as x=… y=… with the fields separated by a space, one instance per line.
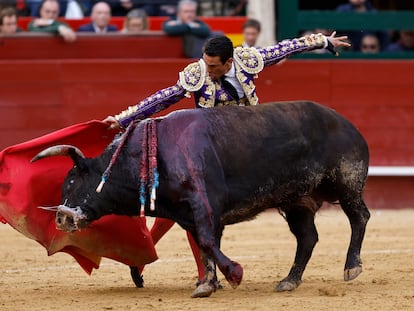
x=267 y=145
x=281 y=128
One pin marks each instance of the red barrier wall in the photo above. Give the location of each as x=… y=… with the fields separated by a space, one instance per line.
x=33 y=46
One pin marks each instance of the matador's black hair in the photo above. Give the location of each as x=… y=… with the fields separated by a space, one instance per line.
x=219 y=46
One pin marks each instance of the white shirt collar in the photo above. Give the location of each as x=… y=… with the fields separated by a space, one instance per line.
x=99 y=30
x=230 y=76
x=232 y=72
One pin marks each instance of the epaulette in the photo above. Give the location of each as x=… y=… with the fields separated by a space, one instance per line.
x=249 y=59
x=193 y=76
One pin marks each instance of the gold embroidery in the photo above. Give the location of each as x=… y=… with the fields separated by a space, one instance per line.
x=205 y=103
x=210 y=94
x=248 y=87
x=249 y=59
x=223 y=97
x=193 y=76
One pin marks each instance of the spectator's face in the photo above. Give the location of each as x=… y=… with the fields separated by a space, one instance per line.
x=357 y=2
x=9 y=24
x=136 y=24
x=215 y=68
x=101 y=14
x=49 y=10
x=407 y=38
x=187 y=13
x=370 y=44
x=250 y=35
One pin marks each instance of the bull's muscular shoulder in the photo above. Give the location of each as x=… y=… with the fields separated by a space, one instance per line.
x=249 y=59
x=193 y=76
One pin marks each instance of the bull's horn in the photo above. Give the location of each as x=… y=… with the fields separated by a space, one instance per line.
x=49 y=208
x=59 y=150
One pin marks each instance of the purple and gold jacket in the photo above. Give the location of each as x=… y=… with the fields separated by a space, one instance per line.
x=208 y=93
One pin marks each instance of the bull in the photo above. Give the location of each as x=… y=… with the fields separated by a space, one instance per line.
x=225 y=165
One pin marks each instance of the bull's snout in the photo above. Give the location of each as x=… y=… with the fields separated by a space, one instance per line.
x=65 y=222
x=70 y=219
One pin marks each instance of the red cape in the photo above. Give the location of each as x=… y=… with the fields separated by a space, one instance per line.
x=24 y=186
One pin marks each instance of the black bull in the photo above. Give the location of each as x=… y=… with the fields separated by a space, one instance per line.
x=226 y=165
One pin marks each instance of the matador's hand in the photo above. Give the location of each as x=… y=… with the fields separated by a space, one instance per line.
x=334 y=42
x=338 y=41
x=112 y=122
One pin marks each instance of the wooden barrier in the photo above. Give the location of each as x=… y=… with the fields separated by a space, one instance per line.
x=91 y=46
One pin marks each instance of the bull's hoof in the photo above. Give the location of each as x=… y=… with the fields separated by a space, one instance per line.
x=203 y=290
x=350 y=274
x=235 y=275
x=286 y=285
x=217 y=283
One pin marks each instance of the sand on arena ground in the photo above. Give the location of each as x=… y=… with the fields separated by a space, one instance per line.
x=30 y=280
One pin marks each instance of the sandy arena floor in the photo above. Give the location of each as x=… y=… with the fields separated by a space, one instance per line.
x=32 y=281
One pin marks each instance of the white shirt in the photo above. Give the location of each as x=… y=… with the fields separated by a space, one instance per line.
x=231 y=77
x=73 y=10
x=99 y=30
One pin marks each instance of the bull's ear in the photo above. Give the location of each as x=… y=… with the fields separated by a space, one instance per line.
x=78 y=159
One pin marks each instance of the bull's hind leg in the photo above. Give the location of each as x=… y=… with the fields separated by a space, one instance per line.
x=302 y=225
x=358 y=216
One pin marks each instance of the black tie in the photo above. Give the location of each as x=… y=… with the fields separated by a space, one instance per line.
x=229 y=88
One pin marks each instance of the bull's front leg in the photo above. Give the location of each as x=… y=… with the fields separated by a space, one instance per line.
x=209 y=283
x=208 y=236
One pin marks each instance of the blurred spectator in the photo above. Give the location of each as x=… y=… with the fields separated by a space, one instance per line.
x=404 y=43
x=122 y=7
x=100 y=16
x=160 y=8
x=186 y=21
x=186 y=24
x=167 y=8
x=370 y=44
x=8 y=21
x=34 y=6
x=135 y=21
x=251 y=32
x=76 y=9
x=21 y=6
x=360 y=6
x=67 y=8
x=356 y=6
x=49 y=12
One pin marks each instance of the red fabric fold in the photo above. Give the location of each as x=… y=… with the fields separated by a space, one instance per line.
x=24 y=186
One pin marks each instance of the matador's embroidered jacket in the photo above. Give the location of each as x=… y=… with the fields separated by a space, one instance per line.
x=194 y=79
